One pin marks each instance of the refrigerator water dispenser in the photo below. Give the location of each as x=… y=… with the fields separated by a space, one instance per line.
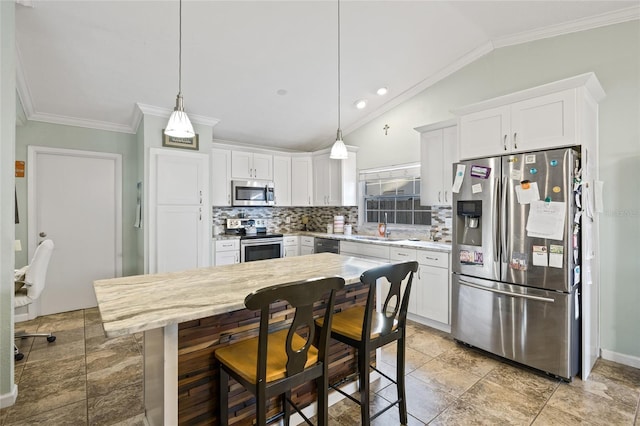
x=469 y=213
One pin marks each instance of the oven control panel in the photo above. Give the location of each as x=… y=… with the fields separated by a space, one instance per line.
x=243 y=223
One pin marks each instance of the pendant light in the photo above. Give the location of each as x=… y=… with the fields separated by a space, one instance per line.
x=339 y=150
x=179 y=125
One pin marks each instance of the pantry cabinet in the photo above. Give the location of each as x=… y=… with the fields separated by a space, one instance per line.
x=251 y=165
x=438 y=151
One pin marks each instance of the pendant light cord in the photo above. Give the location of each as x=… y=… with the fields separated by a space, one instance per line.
x=180 y=52
x=338 y=64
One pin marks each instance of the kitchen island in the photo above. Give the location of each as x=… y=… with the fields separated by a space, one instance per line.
x=186 y=315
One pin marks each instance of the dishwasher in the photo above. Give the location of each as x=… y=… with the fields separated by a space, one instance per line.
x=327 y=245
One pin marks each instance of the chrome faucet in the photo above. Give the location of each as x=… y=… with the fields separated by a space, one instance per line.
x=386 y=230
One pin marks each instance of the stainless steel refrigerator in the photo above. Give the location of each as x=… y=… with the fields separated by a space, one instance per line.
x=516 y=258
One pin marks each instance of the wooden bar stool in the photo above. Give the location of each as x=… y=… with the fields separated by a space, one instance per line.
x=366 y=329
x=279 y=358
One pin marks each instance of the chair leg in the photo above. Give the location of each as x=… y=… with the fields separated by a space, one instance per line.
x=400 y=381
x=363 y=367
x=322 y=383
x=261 y=406
x=286 y=408
x=223 y=390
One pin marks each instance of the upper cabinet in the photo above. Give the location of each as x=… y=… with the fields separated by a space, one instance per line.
x=220 y=177
x=282 y=180
x=438 y=151
x=301 y=181
x=544 y=117
x=251 y=165
x=334 y=181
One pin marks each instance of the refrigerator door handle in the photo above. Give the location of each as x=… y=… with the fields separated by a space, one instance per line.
x=507 y=293
x=494 y=224
x=503 y=233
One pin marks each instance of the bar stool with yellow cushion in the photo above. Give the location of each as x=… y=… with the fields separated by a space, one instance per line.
x=366 y=329
x=275 y=362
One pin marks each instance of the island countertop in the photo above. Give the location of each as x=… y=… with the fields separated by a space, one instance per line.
x=144 y=302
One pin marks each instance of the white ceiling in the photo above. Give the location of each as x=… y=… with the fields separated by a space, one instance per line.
x=89 y=63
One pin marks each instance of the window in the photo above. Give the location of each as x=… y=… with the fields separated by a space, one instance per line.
x=397 y=197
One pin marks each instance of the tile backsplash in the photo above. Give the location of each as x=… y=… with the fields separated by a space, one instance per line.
x=319 y=217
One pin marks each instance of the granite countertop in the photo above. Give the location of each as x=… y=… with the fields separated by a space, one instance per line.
x=405 y=243
x=145 y=302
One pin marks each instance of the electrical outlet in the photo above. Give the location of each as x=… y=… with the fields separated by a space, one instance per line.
x=287 y=219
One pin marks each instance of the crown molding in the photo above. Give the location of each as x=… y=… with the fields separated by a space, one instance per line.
x=80 y=122
x=21 y=86
x=609 y=18
x=156 y=111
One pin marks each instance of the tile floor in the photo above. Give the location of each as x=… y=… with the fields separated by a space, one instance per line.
x=85 y=379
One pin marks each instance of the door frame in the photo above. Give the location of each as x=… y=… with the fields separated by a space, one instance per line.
x=33 y=152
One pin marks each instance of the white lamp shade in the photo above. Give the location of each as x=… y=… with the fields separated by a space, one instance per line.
x=179 y=125
x=339 y=151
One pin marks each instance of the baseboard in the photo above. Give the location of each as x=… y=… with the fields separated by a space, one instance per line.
x=8 y=399
x=429 y=322
x=631 y=361
x=334 y=397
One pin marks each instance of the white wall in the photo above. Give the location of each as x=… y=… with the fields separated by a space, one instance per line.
x=7 y=230
x=613 y=53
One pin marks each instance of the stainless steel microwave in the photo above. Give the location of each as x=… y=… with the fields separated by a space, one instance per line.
x=252 y=193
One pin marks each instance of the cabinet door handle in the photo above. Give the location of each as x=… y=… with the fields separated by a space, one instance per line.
x=401 y=254
x=309 y=199
x=431 y=258
x=515 y=143
x=201 y=197
x=504 y=143
x=445 y=197
x=229 y=199
x=439 y=195
x=200 y=212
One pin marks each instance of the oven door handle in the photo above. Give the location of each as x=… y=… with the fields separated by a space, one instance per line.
x=261 y=242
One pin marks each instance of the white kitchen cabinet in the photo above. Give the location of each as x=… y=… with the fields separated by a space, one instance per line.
x=227 y=252
x=432 y=289
x=438 y=151
x=307 y=245
x=537 y=123
x=301 y=181
x=291 y=245
x=220 y=177
x=548 y=116
x=334 y=181
x=282 y=180
x=251 y=165
x=179 y=230
x=399 y=254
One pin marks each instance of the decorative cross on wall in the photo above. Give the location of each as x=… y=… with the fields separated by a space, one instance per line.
x=386 y=129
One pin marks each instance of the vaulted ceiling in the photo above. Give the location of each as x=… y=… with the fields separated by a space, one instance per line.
x=264 y=71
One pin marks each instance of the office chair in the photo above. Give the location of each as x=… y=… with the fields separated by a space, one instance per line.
x=34 y=281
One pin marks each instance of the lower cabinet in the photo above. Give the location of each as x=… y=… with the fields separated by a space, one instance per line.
x=226 y=252
x=432 y=287
x=307 y=245
x=291 y=246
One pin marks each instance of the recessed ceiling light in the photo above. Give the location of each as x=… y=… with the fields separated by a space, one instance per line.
x=282 y=92
x=361 y=103
x=382 y=91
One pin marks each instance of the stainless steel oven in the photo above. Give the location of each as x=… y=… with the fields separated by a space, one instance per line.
x=261 y=247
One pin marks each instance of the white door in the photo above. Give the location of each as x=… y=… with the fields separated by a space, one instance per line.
x=75 y=199
x=179 y=231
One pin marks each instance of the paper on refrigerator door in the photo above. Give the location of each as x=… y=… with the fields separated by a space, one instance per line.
x=546 y=220
x=526 y=196
x=457 y=182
